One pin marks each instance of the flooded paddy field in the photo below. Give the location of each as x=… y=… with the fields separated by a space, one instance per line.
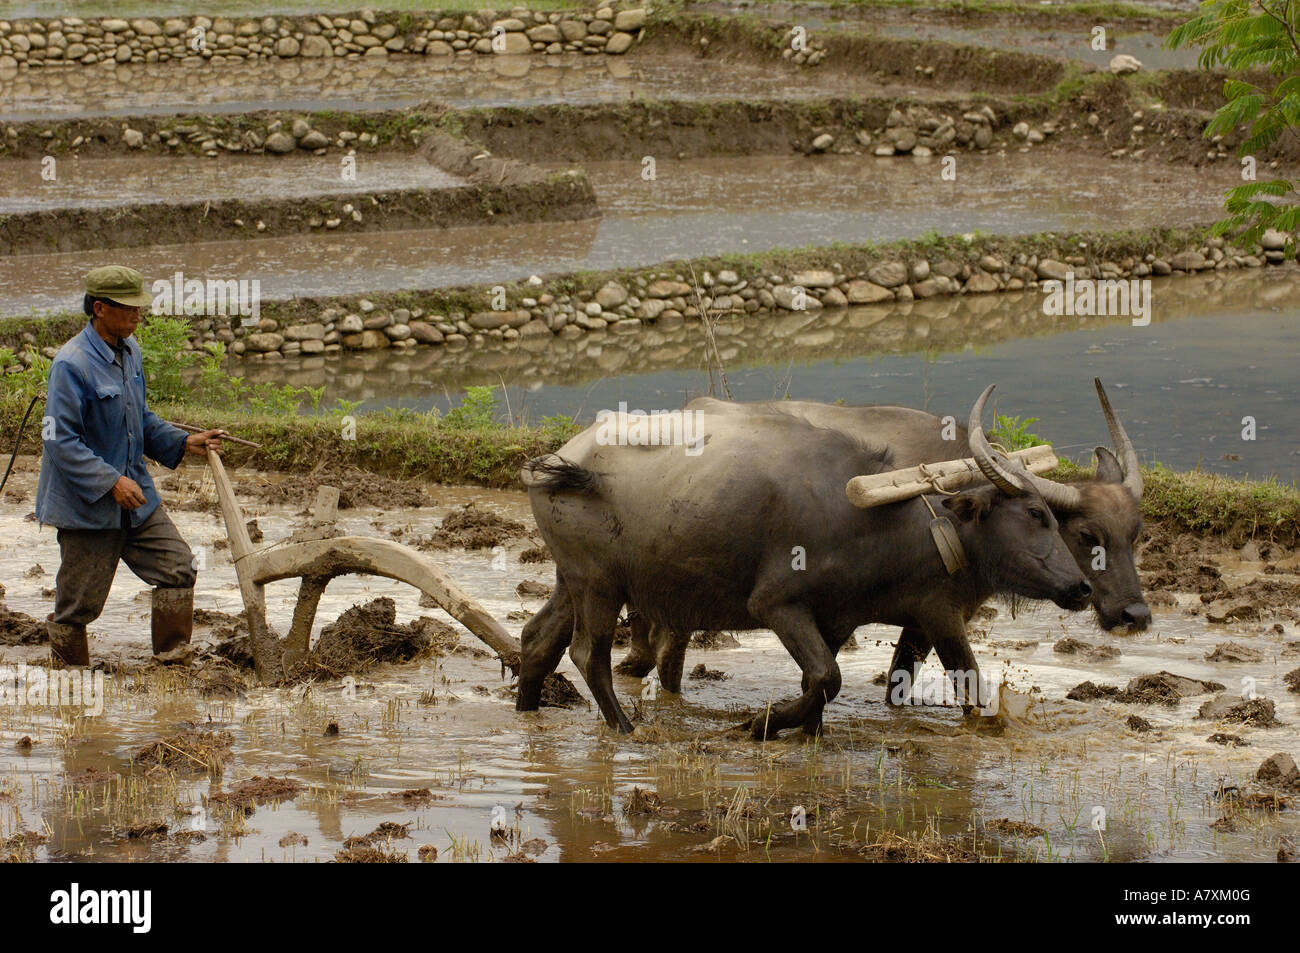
x=1069 y=38
x=693 y=207
x=424 y=753
x=112 y=181
x=1191 y=385
x=397 y=82
x=396 y=737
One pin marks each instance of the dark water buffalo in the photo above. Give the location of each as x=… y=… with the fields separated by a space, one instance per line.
x=756 y=531
x=1102 y=512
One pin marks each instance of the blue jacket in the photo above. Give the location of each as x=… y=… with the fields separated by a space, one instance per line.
x=96 y=429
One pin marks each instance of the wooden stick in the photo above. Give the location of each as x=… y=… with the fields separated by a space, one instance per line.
x=878 y=489
x=193 y=429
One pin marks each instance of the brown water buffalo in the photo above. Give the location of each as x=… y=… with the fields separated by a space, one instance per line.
x=1102 y=512
x=751 y=528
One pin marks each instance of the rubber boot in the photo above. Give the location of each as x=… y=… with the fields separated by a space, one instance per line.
x=68 y=643
x=172 y=619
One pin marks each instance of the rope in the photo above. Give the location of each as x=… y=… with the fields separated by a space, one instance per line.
x=933 y=480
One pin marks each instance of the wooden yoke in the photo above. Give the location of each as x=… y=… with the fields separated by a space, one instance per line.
x=878 y=489
x=317 y=556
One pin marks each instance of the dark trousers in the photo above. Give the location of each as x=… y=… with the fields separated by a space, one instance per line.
x=153 y=550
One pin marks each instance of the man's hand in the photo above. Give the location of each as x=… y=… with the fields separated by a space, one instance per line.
x=127 y=493
x=200 y=443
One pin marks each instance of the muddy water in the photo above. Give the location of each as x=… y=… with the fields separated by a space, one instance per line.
x=402 y=81
x=695 y=207
x=559 y=777
x=1219 y=347
x=1030 y=35
x=1071 y=44
x=753 y=203
x=108 y=182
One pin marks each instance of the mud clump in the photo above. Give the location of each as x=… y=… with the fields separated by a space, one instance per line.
x=532 y=589
x=220 y=679
x=1254 y=601
x=1083 y=692
x=1166 y=688
x=1138 y=723
x=536 y=554
x=1238 y=613
x=18 y=628
x=1012 y=828
x=150 y=830
x=369 y=634
x=1280 y=771
x=223 y=624
x=246 y=795
x=230 y=633
x=918 y=849
x=385 y=832
x=1292 y=681
x=368 y=855
x=1086 y=650
x=1234 y=741
x=19 y=848
x=714 y=639
x=1234 y=652
x=473 y=528
x=643 y=803
x=356 y=488
x=1255 y=712
x=188 y=751
x=559 y=692
x=1163 y=688
x=703 y=674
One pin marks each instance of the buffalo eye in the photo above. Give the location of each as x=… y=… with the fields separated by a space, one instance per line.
x=1089 y=539
x=1037 y=514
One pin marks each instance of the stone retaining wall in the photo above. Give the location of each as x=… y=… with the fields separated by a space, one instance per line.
x=73 y=41
x=665 y=298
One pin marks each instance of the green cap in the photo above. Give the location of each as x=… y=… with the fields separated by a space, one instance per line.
x=120 y=284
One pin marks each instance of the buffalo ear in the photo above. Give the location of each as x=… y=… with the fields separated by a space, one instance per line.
x=1108 y=468
x=968 y=506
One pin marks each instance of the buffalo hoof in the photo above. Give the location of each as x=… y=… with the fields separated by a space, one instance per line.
x=763 y=727
x=638 y=666
x=529 y=698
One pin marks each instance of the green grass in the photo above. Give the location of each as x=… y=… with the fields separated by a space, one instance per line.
x=1205 y=504
x=403 y=445
x=473 y=449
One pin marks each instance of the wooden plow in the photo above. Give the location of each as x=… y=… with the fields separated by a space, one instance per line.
x=316 y=555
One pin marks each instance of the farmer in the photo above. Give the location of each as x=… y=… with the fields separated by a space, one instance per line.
x=94 y=486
